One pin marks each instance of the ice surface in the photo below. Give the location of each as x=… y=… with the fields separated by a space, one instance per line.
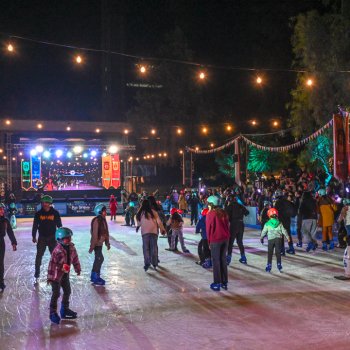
x=303 y=308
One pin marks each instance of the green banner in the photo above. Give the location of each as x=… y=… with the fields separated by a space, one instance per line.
x=25 y=175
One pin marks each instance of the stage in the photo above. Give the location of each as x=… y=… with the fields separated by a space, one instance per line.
x=302 y=308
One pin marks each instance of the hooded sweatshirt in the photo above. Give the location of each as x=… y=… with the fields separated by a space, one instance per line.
x=217 y=227
x=274 y=229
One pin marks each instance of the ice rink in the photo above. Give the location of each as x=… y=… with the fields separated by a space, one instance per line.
x=173 y=308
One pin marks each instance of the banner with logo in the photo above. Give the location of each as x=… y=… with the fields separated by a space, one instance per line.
x=106 y=171
x=340 y=156
x=25 y=175
x=36 y=170
x=115 y=182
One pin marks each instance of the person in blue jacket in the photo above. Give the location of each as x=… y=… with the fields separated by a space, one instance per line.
x=203 y=246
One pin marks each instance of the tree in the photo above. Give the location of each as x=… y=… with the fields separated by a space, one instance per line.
x=321 y=45
x=226 y=164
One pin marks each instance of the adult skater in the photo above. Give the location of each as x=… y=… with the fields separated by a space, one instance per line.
x=193 y=203
x=150 y=223
x=5 y=228
x=113 y=206
x=236 y=212
x=46 y=221
x=286 y=210
x=99 y=236
x=218 y=234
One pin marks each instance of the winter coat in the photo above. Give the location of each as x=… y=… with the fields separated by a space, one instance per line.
x=236 y=212
x=113 y=205
x=193 y=203
x=286 y=211
x=5 y=227
x=326 y=208
x=150 y=225
x=99 y=232
x=201 y=227
x=217 y=227
x=182 y=202
x=274 y=229
x=308 y=209
x=58 y=258
x=345 y=215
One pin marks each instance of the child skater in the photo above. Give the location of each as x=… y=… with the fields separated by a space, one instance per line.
x=5 y=227
x=274 y=231
x=176 y=223
x=62 y=257
x=203 y=246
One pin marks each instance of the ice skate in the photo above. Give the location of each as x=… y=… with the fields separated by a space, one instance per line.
x=55 y=318
x=331 y=245
x=283 y=251
x=186 y=251
x=291 y=249
x=215 y=287
x=67 y=313
x=146 y=267
x=299 y=244
x=310 y=246
x=268 y=268
x=224 y=286
x=96 y=279
x=324 y=246
x=279 y=266
x=2 y=287
x=228 y=259
x=207 y=264
x=243 y=259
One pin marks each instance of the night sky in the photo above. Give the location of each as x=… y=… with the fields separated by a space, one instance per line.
x=42 y=82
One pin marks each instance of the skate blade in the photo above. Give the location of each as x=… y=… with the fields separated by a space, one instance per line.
x=342 y=278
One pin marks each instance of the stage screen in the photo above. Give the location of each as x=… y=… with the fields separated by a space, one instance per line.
x=68 y=175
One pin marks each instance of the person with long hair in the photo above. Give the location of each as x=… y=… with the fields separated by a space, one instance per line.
x=218 y=234
x=149 y=222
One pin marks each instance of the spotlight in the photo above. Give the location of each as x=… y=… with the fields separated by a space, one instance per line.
x=85 y=155
x=69 y=154
x=46 y=154
x=113 y=149
x=59 y=153
x=33 y=152
x=77 y=149
x=93 y=153
x=104 y=154
x=39 y=149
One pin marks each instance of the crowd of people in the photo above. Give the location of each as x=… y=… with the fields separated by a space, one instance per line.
x=218 y=215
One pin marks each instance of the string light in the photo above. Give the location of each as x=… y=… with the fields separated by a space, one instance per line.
x=253 y=122
x=159 y=154
x=179 y=131
x=164 y=154
x=78 y=59
x=98 y=130
x=152 y=156
x=8 y=122
x=212 y=145
x=275 y=123
x=68 y=128
x=39 y=126
x=153 y=131
x=181 y=151
x=143 y=69
x=137 y=159
x=259 y=80
x=229 y=128
x=1 y=150
x=202 y=75
x=204 y=130
x=309 y=82
x=126 y=131
x=10 y=48
x=197 y=148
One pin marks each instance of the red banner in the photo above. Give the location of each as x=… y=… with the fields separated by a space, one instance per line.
x=106 y=171
x=340 y=148
x=115 y=182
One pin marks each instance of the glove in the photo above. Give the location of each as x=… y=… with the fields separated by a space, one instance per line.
x=66 y=268
x=262 y=240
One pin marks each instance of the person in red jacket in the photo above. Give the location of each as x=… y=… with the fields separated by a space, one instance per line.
x=113 y=206
x=218 y=234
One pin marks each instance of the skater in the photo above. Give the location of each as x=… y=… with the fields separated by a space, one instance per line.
x=46 y=221
x=286 y=210
x=203 y=247
x=99 y=235
x=345 y=215
x=63 y=256
x=113 y=207
x=193 y=204
x=218 y=234
x=263 y=218
x=308 y=216
x=183 y=204
x=346 y=262
x=326 y=208
x=5 y=228
x=150 y=224
x=274 y=230
x=236 y=213
x=176 y=224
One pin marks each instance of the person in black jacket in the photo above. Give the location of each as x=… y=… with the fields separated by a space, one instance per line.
x=286 y=210
x=5 y=227
x=193 y=203
x=308 y=216
x=236 y=212
x=46 y=221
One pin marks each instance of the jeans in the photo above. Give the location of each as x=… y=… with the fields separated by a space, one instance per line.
x=56 y=286
x=218 y=257
x=150 y=249
x=96 y=267
x=40 y=250
x=180 y=235
x=2 y=259
x=203 y=250
x=274 y=244
x=309 y=230
x=236 y=231
x=169 y=239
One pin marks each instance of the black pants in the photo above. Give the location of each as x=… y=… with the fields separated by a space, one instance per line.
x=236 y=233
x=274 y=244
x=218 y=255
x=203 y=250
x=2 y=259
x=299 y=221
x=98 y=260
x=286 y=225
x=194 y=217
x=40 y=250
x=56 y=287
